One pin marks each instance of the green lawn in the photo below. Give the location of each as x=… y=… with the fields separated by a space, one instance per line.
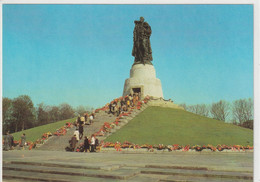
x=35 y=133
x=157 y=125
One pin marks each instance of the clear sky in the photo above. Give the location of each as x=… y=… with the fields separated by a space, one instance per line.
x=81 y=54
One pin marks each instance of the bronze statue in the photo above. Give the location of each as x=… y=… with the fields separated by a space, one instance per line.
x=142 y=50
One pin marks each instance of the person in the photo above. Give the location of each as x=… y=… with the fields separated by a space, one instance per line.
x=127 y=104
x=131 y=100
x=11 y=143
x=76 y=132
x=6 y=141
x=86 y=118
x=91 y=118
x=137 y=98
x=119 y=108
x=92 y=143
x=81 y=130
x=73 y=142
x=110 y=107
x=86 y=144
x=123 y=104
x=82 y=120
x=142 y=50
x=115 y=109
x=96 y=143
x=23 y=141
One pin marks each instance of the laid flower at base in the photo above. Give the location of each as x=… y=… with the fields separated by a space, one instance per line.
x=118 y=146
x=186 y=148
x=176 y=147
x=161 y=147
x=212 y=148
x=197 y=148
x=69 y=125
x=60 y=132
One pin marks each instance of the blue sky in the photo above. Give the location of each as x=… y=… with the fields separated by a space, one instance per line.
x=81 y=54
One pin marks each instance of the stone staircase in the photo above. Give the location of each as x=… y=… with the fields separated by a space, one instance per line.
x=59 y=143
x=123 y=121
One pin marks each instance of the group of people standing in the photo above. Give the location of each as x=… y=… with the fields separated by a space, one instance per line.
x=89 y=145
x=9 y=141
x=123 y=104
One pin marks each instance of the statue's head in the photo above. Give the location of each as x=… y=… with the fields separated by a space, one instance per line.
x=141 y=19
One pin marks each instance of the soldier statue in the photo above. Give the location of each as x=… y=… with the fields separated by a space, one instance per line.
x=142 y=50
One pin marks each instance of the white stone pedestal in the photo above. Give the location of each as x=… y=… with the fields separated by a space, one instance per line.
x=143 y=77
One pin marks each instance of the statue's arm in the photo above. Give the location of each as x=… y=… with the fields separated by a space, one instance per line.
x=134 y=34
x=147 y=29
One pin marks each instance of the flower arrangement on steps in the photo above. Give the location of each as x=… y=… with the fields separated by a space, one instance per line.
x=137 y=106
x=106 y=127
x=176 y=147
x=60 y=132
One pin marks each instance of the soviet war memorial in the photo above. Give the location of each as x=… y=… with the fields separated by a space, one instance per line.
x=72 y=112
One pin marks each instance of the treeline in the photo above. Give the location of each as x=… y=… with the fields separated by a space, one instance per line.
x=239 y=112
x=19 y=113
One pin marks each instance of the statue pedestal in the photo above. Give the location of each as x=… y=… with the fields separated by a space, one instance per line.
x=143 y=79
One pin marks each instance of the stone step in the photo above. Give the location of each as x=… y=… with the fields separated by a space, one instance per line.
x=129 y=118
x=133 y=115
x=176 y=167
x=117 y=127
x=199 y=173
x=113 y=130
x=146 y=178
x=51 y=164
x=124 y=120
x=178 y=178
x=122 y=124
x=29 y=176
x=120 y=173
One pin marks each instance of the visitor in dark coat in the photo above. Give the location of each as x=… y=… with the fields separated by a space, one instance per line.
x=7 y=141
x=73 y=143
x=96 y=143
x=23 y=140
x=81 y=130
x=86 y=144
x=11 y=141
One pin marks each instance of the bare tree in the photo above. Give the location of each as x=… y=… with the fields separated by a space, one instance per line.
x=54 y=113
x=42 y=114
x=203 y=110
x=200 y=109
x=66 y=111
x=184 y=106
x=81 y=110
x=220 y=110
x=243 y=110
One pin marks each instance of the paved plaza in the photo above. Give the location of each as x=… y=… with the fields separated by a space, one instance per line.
x=121 y=166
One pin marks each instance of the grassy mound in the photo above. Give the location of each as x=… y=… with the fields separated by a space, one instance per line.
x=167 y=126
x=33 y=134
